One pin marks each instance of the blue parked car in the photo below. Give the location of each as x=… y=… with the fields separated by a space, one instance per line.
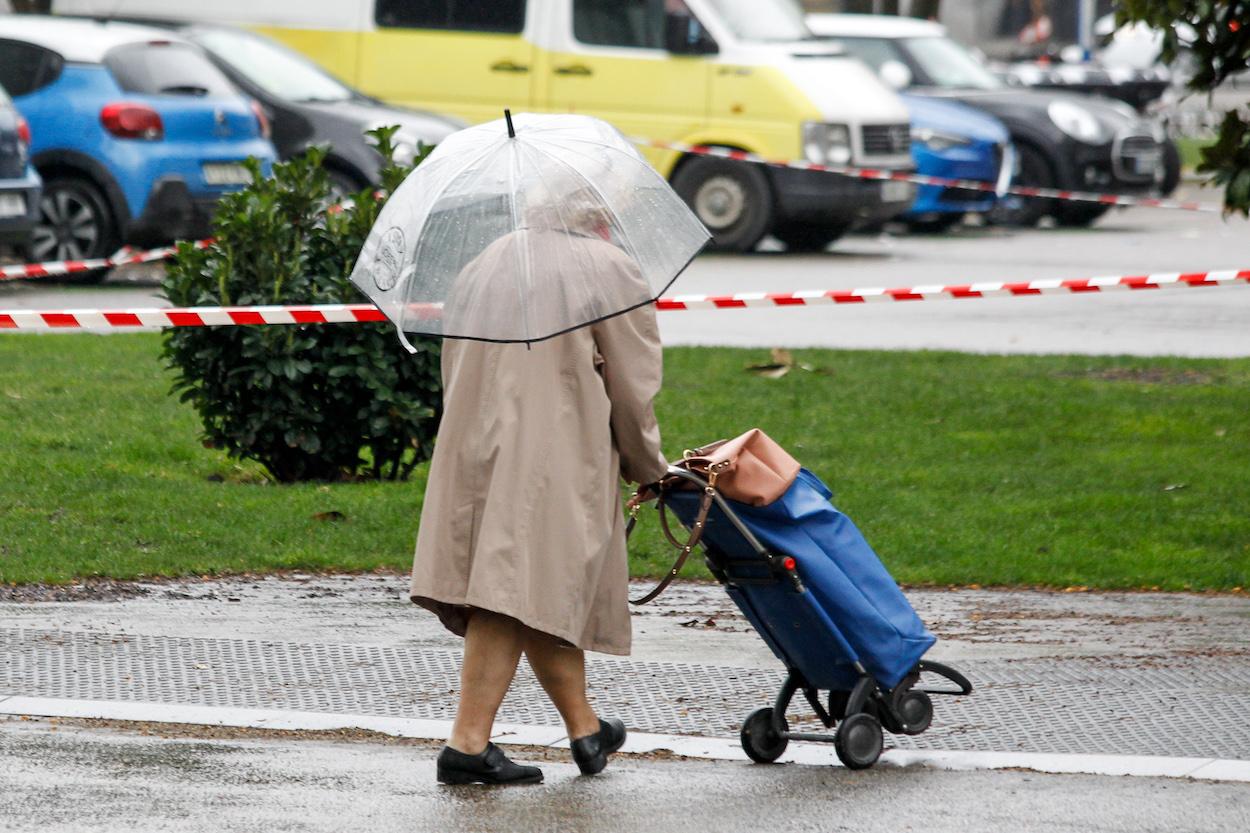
x=955 y=141
x=19 y=183
x=135 y=132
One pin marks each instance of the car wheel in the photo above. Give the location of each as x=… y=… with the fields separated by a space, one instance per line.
x=75 y=223
x=808 y=237
x=342 y=185
x=1079 y=215
x=933 y=225
x=1171 y=168
x=733 y=199
x=1035 y=170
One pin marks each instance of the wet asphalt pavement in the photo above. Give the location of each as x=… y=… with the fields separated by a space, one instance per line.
x=60 y=778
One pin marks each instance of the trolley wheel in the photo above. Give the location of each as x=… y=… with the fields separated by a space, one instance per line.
x=859 y=741
x=759 y=740
x=916 y=709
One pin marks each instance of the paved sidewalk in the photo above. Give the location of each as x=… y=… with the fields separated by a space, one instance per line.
x=1133 y=674
x=59 y=778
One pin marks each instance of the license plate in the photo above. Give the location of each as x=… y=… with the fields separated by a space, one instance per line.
x=226 y=173
x=896 y=191
x=1145 y=164
x=12 y=205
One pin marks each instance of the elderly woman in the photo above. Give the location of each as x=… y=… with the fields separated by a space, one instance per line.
x=521 y=547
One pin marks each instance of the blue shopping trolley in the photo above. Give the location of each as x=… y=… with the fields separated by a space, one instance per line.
x=806 y=579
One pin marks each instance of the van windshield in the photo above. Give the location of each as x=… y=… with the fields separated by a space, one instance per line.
x=277 y=71
x=763 y=20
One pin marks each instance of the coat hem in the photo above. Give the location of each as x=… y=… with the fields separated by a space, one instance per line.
x=437 y=605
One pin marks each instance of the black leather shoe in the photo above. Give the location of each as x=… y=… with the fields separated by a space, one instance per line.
x=491 y=766
x=591 y=752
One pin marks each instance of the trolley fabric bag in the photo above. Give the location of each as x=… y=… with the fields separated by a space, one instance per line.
x=853 y=610
x=816 y=593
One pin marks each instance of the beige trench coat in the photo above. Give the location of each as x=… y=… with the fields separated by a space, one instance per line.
x=522 y=512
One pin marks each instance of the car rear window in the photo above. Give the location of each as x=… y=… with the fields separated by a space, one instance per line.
x=25 y=67
x=161 y=68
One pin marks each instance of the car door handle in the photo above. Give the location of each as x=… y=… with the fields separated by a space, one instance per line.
x=575 y=69
x=508 y=66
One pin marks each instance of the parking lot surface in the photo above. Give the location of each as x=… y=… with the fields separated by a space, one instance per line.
x=1207 y=321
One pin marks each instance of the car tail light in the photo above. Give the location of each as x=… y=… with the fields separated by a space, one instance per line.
x=23 y=131
x=132 y=121
x=265 y=130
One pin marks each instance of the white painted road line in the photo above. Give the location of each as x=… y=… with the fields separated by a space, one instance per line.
x=720 y=749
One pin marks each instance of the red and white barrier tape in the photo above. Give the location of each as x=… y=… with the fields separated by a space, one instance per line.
x=188 y=317
x=924 y=179
x=816 y=297
x=57 y=268
x=362 y=313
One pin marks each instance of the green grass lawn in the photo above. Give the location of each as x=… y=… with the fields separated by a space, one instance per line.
x=1190 y=150
x=1060 y=471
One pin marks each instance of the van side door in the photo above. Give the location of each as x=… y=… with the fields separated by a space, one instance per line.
x=608 y=59
x=469 y=58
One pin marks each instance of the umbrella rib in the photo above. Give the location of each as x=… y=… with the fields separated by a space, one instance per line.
x=523 y=271
x=633 y=250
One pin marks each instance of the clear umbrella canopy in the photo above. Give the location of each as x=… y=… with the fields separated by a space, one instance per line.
x=520 y=238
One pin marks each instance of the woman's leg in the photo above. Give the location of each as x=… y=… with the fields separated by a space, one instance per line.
x=492 y=648
x=561 y=670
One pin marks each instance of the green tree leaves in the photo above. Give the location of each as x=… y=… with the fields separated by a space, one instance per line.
x=1216 y=36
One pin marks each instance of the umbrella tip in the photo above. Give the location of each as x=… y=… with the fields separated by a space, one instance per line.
x=507 y=114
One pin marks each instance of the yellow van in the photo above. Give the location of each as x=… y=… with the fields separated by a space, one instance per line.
x=741 y=74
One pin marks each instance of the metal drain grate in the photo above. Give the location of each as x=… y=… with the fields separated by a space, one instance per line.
x=1085 y=705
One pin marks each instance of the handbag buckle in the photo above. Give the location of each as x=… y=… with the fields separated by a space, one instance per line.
x=714 y=471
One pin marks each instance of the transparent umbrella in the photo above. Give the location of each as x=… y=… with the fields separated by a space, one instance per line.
x=522 y=229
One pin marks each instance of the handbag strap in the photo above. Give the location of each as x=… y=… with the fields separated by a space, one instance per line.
x=696 y=532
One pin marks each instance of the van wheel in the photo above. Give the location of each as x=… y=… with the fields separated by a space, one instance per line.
x=809 y=237
x=75 y=223
x=733 y=199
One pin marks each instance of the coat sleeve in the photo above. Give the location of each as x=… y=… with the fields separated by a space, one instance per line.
x=633 y=370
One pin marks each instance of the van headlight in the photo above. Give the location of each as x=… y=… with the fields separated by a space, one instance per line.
x=1077 y=122
x=826 y=144
x=936 y=140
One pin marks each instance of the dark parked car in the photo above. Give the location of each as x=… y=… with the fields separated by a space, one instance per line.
x=19 y=184
x=307 y=105
x=1062 y=140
